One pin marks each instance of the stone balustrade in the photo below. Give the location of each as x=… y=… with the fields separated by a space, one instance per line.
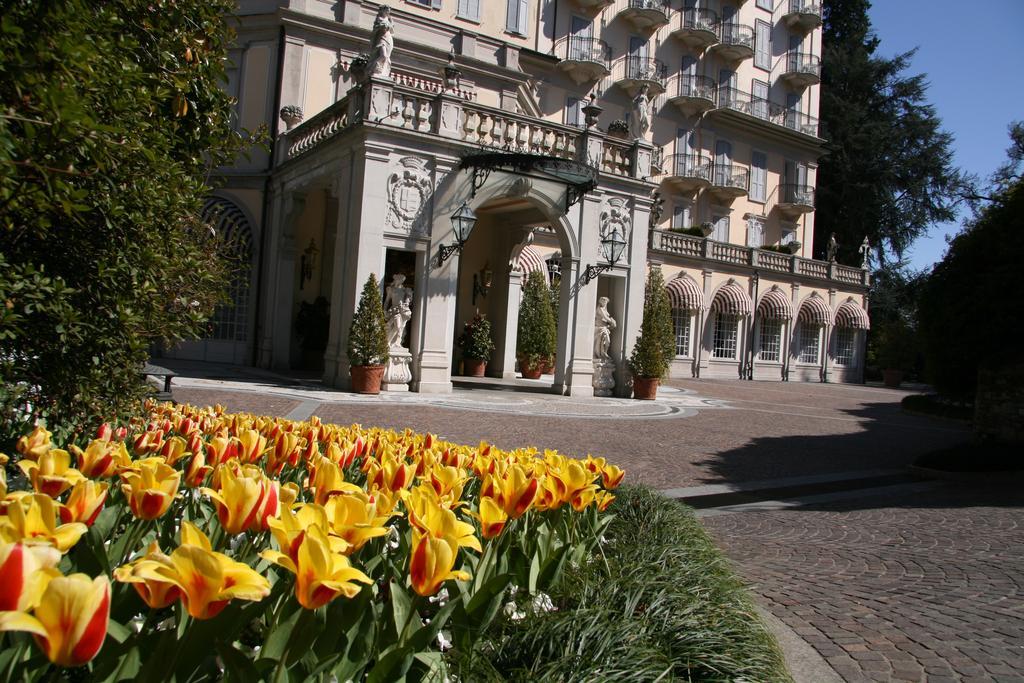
x=679 y=244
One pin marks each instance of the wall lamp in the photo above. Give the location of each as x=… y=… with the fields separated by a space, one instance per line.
x=463 y=221
x=482 y=283
x=612 y=245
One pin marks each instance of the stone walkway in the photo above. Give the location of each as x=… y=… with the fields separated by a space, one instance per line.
x=895 y=588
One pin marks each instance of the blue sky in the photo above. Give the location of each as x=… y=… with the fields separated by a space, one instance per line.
x=972 y=54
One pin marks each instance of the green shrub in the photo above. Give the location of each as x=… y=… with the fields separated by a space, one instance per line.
x=475 y=340
x=114 y=119
x=655 y=347
x=538 y=331
x=658 y=602
x=368 y=336
x=694 y=230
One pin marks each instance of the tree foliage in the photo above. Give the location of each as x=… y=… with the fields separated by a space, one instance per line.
x=886 y=173
x=538 y=330
x=112 y=121
x=368 y=335
x=656 y=346
x=972 y=304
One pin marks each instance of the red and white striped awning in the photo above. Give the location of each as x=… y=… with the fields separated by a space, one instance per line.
x=815 y=311
x=685 y=294
x=775 y=305
x=732 y=299
x=530 y=260
x=852 y=314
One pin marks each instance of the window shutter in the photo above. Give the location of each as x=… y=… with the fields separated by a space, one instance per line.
x=524 y=13
x=758 y=176
x=512 y=16
x=435 y=4
x=763 y=46
x=463 y=10
x=469 y=9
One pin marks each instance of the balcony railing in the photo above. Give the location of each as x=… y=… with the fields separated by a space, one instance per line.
x=688 y=172
x=584 y=59
x=802 y=69
x=736 y=41
x=803 y=15
x=730 y=180
x=645 y=15
x=697 y=28
x=632 y=71
x=796 y=199
x=731 y=99
x=692 y=94
x=678 y=244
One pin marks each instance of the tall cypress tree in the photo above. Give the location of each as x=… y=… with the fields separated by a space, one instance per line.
x=887 y=173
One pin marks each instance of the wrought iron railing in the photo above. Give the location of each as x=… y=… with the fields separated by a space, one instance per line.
x=766 y=110
x=803 y=63
x=794 y=193
x=699 y=20
x=581 y=49
x=736 y=35
x=645 y=69
x=698 y=87
x=730 y=176
x=689 y=166
x=804 y=7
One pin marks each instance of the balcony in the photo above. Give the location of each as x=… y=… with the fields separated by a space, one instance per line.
x=696 y=28
x=688 y=173
x=584 y=59
x=632 y=73
x=645 y=15
x=802 y=16
x=735 y=42
x=795 y=199
x=692 y=94
x=732 y=102
x=592 y=7
x=802 y=69
x=729 y=181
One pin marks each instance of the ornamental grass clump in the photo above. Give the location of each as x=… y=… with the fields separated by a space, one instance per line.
x=196 y=544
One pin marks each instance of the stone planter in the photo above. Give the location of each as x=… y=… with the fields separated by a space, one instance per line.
x=366 y=379
x=645 y=388
x=474 y=367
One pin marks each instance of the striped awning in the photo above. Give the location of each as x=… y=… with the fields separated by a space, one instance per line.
x=685 y=294
x=815 y=311
x=530 y=260
x=775 y=305
x=732 y=299
x=852 y=314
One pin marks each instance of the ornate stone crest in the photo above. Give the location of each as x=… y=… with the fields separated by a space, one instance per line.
x=615 y=217
x=409 y=189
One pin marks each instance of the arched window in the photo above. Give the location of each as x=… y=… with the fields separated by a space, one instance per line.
x=230 y=321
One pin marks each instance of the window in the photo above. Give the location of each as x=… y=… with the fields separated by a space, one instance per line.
x=681 y=216
x=726 y=332
x=574 y=112
x=516 y=16
x=432 y=4
x=809 y=344
x=721 y=231
x=759 y=100
x=758 y=176
x=765 y=4
x=770 y=344
x=762 y=45
x=469 y=9
x=681 y=326
x=788 y=234
x=846 y=345
x=755 y=231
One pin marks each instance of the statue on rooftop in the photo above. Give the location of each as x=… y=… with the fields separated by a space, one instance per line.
x=640 y=117
x=832 y=249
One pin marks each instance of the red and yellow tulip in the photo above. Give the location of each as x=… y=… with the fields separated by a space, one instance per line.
x=35 y=444
x=24 y=572
x=353 y=518
x=32 y=518
x=155 y=593
x=245 y=499
x=70 y=622
x=51 y=473
x=320 y=573
x=492 y=518
x=432 y=563
x=85 y=502
x=101 y=458
x=150 y=487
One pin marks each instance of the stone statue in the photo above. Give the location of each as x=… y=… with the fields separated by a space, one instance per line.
x=397 y=300
x=604 y=323
x=382 y=44
x=640 y=117
x=657 y=209
x=832 y=249
x=865 y=252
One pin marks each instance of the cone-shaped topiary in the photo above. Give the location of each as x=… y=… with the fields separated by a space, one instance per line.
x=368 y=337
x=655 y=347
x=475 y=340
x=538 y=331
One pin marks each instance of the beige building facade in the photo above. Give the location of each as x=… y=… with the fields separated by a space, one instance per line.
x=685 y=129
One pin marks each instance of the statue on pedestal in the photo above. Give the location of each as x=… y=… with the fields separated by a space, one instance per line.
x=640 y=117
x=398 y=310
x=865 y=253
x=604 y=366
x=382 y=44
x=832 y=249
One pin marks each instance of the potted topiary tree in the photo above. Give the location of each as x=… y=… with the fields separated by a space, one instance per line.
x=476 y=344
x=537 y=329
x=655 y=347
x=368 y=340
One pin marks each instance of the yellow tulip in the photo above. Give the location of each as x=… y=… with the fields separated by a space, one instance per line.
x=290 y=528
x=207 y=580
x=353 y=519
x=432 y=563
x=430 y=518
x=35 y=444
x=173 y=450
x=70 y=622
x=320 y=573
x=327 y=480
x=101 y=458
x=24 y=572
x=195 y=473
x=285 y=451
x=52 y=473
x=220 y=450
x=611 y=477
x=492 y=518
x=513 y=489
x=85 y=502
x=448 y=482
x=33 y=518
x=246 y=499
x=604 y=499
x=252 y=445
x=390 y=474
x=150 y=489
x=155 y=593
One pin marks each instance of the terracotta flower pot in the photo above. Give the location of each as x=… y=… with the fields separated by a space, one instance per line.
x=474 y=367
x=645 y=388
x=530 y=370
x=366 y=378
x=892 y=378
x=547 y=366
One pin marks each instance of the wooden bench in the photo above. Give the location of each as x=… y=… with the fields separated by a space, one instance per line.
x=150 y=370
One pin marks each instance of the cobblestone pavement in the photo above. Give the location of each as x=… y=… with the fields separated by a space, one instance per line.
x=890 y=589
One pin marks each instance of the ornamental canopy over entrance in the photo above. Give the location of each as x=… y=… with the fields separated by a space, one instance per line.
x=578 y=177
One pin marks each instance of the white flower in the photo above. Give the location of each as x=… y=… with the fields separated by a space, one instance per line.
x=513 y=613
x=441 y=598
x=542 y=603
x=444 y=641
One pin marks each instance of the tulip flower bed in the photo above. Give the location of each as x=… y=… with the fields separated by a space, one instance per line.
x=200 y=544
